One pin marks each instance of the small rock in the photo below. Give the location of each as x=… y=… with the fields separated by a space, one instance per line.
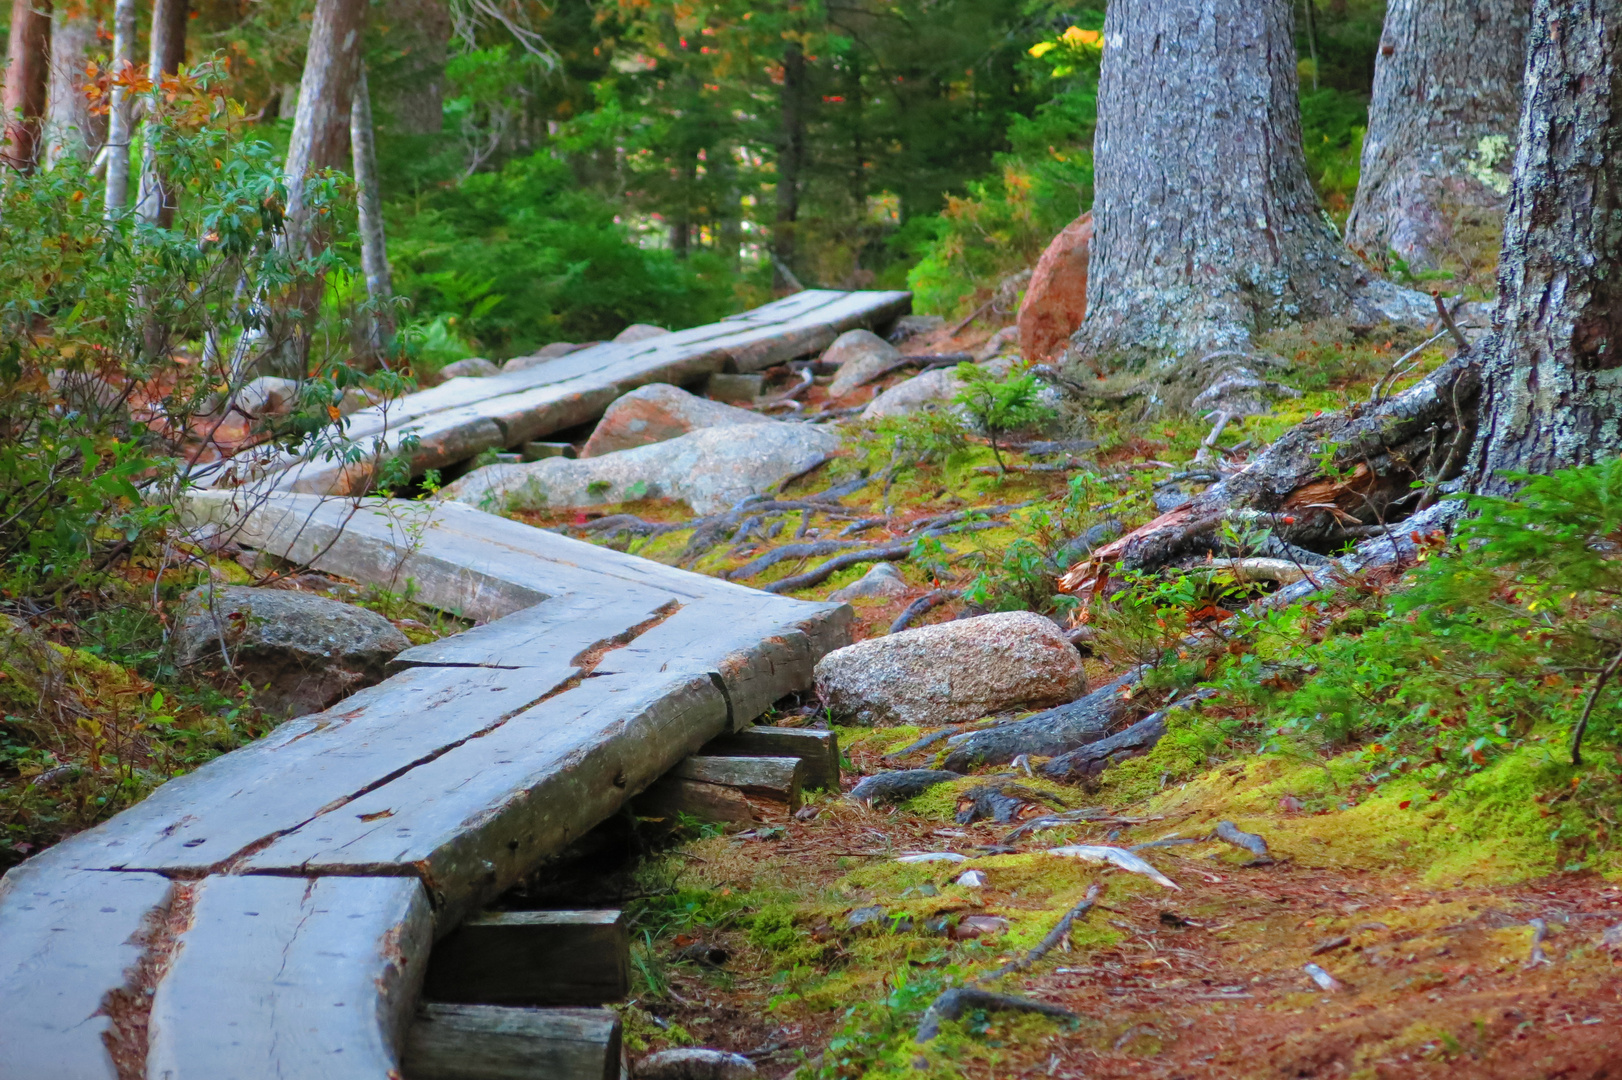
x=972 y=879
x=474 y=367
x=695 y=1064
x=864 y=915
x=952 y=672
x=977 y=926
x=639 y=332
x=882 y=580
x=301 y=652
x=710 y=469
x=862 y=356
x=909 y=326
x=1056 y=300
x=926 y=390
x=657 y=412
x=268 y=396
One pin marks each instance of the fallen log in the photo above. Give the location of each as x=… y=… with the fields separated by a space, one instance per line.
x=1330 y=473
x=1054 y=731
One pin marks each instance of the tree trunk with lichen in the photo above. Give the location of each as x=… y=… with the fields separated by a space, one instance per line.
x=1552 y=385
x=1207 y=229
x=1441 y=136
x=71 y=129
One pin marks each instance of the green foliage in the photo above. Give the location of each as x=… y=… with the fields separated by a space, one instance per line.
x=999 y=406
x=506 y=261
x=1492 y=648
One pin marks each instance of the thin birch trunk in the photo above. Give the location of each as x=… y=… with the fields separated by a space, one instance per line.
x=374 y=253
x=70 y=128
x=155 y=203
x=120 y=118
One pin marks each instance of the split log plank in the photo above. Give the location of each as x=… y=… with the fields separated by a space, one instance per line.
x=818 y=749
x=533 y=958
x=67 y=939
x=775 y=778
x=489 y=1042
x=288 y=977
x=672 y=796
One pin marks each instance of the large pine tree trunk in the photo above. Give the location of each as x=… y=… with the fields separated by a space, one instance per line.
x=1436 y=160
x=70 y=128
x=28 y=58
x=1207 y=228
x=156 y=202
x=1552 y=394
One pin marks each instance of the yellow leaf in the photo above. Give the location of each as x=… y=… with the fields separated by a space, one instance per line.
x=1042 y=48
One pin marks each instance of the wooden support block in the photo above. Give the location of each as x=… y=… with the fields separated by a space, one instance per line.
x=537 y=451
x=672 y=795
x=490 y=1042
x=734 y=388
x=818 y=749
x=533 y=958
x=776 y=778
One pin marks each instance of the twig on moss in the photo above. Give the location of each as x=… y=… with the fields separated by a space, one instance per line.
x=1054 y=936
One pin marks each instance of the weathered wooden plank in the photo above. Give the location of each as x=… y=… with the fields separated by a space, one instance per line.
x=475 y=820
x=68 y=938
x=817 y=329
x=288 y=977
x=672 y=796
x=775 y=778
x=490 y=1042
x=542 y=635
x=788 y=307
x=207 y=818
x=533 y=958
x=760 y=652
x=818 y=749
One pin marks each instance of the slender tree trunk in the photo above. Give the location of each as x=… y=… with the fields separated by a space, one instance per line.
x=374 y=253
x=1552 y=393
x=156 y=202
x=320 y=138
x=28 y=58
x=1207 y=229
x=790 y=160
x=70 y=128
x=120 y=117
x=1440 y=143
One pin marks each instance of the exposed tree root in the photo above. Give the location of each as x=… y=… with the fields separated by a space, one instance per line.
x=954 y=1003
x=1089 y=760
x=1055 y=731
x=899 y=786
x=1322 y=479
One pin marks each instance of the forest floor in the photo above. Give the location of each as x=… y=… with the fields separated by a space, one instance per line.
x=1418 y=904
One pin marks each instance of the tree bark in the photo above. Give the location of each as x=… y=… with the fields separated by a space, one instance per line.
x=28 y=57
x=320 y=138
x=1552 y=392
x=1207 y=228
x=1437 y=157
x=790 y=161
x=410 y=91
x=156 y=202
x=374 y=252
x=70 y=128
x=121 y=113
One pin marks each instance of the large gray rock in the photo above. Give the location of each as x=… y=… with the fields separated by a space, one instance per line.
x=710 y=469
x=639 y=332
x=929 y=389
x=952 y=672
x=300 y=652
x=657 y=412
x=884 y=580
x=474 y=367
x=862 y=356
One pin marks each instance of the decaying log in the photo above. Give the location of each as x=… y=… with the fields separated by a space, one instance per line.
x=1375 y=454
x=899 y=786
x=1054 y=731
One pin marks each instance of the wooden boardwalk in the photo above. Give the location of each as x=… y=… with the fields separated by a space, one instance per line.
x=270 y=915
x=464 y=417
